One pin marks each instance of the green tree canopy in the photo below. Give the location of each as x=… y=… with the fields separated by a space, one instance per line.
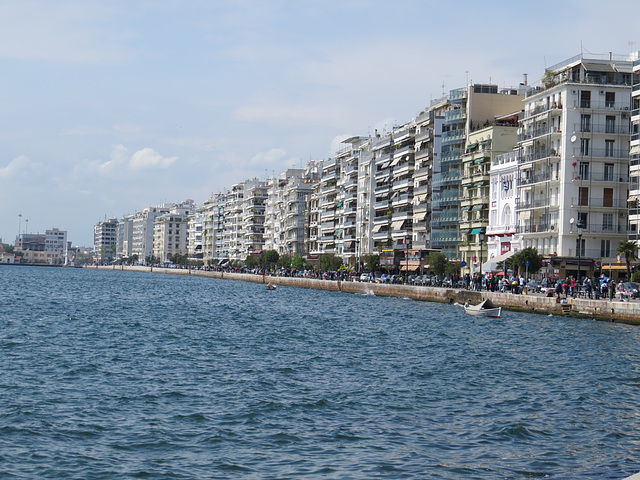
x=269 y=258
x=298 y=262
x=371 y=261
x=284 y=261
x=330 y=262
x=252 y=261
x=530 y=254
x=438 y=263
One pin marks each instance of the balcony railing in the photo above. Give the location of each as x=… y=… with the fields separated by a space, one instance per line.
x=598 y=202
x=602 y=128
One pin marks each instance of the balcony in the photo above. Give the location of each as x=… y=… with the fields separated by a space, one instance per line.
x=601 y=153
x=598 y=202
x=537 y=178
x=602 y=128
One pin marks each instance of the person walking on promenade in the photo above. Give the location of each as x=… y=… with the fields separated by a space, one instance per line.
x=612 y=289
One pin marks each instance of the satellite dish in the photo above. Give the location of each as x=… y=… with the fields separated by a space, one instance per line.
x=573 y=139
x=572 y=220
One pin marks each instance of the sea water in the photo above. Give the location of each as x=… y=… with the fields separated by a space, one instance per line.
x=110 y=374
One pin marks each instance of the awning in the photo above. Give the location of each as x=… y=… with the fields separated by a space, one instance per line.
x=476 y=231
x=397 y=225
x=491 y=264
x=478 y=160
x=475 y=208
x=465 y=208
x=411 y=268
x=376 y=228
x=599 y=67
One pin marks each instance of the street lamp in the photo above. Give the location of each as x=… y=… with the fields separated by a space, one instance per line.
x=481 y=239
x=358 y=255
x=580 y=227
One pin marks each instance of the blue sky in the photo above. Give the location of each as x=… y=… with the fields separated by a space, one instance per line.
x=110 y=106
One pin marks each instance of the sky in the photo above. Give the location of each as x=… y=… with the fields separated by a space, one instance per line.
x=111 y=106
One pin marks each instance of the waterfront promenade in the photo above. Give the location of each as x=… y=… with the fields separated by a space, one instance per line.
x=602 y=309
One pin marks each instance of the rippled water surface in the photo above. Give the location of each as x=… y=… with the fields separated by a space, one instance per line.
x=107 y=374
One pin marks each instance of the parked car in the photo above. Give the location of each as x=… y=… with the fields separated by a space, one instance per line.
x=632 y=288
x=534 y=286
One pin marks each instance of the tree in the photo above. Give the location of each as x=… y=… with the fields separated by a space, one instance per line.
x=269 y=258
x=330 y=262
x=298 y=262
x=528 y=254
x=284 y=261
x=438 y=263
x=10 y=249
x=252 y=261
x=628 y=249
x=371 y=261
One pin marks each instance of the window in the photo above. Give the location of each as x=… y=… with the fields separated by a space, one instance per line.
x=607 y=222
x=585 y=99
x=607 y=199
x=584 y=146
x=610 y=99
x=608 y=148
x=605 y=248
x=584 y=170
x=608 y=172
x=585 y=123
x=610 y=124
x=582 y=220
x=583 y=196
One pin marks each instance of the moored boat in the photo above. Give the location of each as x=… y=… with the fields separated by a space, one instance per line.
x=483 y=309
x=271 y=286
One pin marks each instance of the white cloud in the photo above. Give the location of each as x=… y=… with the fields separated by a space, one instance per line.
x=144 y=159
x=18 y=167
x=149 y=158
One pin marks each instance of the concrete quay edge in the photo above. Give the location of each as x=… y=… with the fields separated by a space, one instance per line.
x=613 y=311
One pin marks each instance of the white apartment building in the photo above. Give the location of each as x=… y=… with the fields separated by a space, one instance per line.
x=252 y=217
x=195 y=235
x=142 y=230
x=634 y=156
x=483 y=145
x=213 y=229
x=124 y=237
x=427 y=147
x=501 y=237
x=105 y=238
x=573 y=179
x=287 y=211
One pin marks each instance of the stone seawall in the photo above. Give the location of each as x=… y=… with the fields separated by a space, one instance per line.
x=627 y=312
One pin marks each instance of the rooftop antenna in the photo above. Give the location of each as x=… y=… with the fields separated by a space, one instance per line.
x=443 y=88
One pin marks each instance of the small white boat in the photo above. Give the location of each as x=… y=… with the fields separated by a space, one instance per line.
x=483 y=309
x=271 y=286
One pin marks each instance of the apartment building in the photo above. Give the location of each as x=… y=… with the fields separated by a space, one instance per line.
x=213 y=250
x=252 y=217
x=468 y=109
x=105 y=239
x=501 y=238
x=634 y=155
x=287 y=211
x=482 y=147
x=170 y=231
x=573 y=171
x=427 y=147
x=124 y=237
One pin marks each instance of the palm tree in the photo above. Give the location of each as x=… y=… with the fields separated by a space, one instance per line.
x=628 y=249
